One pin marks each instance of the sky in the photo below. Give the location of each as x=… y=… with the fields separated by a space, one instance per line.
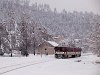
x=72 y=5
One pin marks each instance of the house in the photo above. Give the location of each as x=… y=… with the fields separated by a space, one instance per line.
x=46 y=47
x=58 y=38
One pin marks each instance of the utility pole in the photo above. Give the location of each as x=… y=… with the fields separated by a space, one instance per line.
x=34 y=48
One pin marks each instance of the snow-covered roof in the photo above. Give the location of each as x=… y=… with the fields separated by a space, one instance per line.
x=77 y=40
x=53 y=43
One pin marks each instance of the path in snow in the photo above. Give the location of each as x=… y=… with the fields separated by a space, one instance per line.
x=86 y=66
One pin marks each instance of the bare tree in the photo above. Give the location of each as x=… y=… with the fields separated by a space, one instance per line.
x=97 y=39
x=3 y=37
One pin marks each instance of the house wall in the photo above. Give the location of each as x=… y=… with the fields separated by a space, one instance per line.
x=45 y=48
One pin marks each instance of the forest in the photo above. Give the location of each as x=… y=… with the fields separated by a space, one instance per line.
x=24 y=26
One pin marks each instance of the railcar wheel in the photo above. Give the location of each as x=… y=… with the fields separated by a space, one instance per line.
x=56 y=56
x=79 y=55
x=73 y=56
x=63 y=56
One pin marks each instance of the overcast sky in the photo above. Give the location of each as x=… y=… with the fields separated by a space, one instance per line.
x=70 y=5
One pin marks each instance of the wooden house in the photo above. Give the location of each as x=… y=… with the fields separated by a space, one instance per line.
x=46 y=47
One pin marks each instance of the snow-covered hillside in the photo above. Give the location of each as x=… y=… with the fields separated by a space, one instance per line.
x=48 y=65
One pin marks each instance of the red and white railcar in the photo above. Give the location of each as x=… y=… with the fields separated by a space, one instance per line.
x=66 y=52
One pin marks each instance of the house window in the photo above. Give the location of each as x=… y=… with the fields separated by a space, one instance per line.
x=45 y=49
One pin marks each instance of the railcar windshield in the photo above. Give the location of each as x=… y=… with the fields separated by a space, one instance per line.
x=61 y=49
x=69 y=49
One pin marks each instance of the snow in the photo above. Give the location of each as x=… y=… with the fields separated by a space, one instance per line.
x=48 y=65
x=53 y=43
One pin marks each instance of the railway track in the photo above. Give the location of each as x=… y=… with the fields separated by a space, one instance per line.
x=10 y=68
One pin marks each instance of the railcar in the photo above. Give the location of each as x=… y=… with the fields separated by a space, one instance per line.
x=67 y=52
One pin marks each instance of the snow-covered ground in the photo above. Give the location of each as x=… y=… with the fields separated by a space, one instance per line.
x=48 y=65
